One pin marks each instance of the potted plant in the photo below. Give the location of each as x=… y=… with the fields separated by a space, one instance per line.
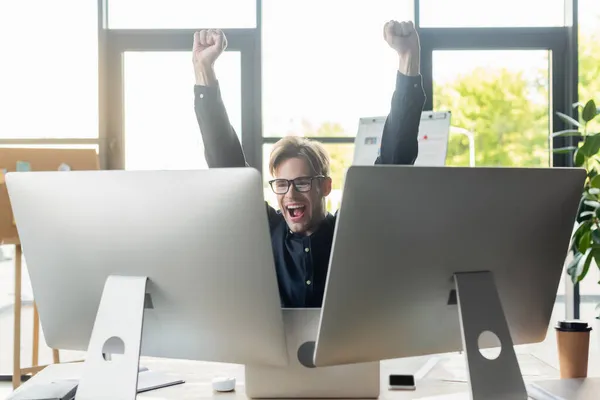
x=585 y=241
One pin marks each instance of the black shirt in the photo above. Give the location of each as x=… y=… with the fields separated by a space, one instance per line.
x=302 y=261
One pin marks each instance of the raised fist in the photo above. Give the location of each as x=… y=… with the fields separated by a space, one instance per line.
x=402 y=37
x=208 y=46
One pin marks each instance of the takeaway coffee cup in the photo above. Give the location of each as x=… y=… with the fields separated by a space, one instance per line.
x=573 y=339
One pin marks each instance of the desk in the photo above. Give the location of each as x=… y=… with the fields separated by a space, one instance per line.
x=198 y=376
x=18 y=371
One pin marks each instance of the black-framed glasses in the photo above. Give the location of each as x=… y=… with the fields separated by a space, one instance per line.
x=302 y=184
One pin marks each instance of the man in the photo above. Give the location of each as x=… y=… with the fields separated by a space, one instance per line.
x=302 y=229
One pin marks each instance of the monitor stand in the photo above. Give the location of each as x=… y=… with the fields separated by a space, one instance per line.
x=480 y=310
x=119 y=321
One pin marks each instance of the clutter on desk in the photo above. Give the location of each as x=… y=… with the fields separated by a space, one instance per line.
x=23 y=166
x=66 y=389
x=151 y=380
x=60 y=390
x=64 y=167
x=223 y=384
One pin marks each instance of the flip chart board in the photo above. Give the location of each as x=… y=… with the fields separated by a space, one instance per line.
x=434 y=130
x=37 y=159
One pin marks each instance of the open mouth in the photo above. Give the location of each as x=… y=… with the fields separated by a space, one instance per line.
x=296 y=211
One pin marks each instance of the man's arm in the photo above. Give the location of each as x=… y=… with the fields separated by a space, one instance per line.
x=222 y=147
x=399 y=143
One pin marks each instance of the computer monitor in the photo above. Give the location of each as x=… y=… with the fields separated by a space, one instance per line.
x=200 y=237
x=408 y=237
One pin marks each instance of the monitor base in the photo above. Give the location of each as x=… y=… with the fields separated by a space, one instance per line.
x=480 y=311
x=118 y=323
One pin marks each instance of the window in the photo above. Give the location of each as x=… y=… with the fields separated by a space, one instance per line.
x=589 y=88
x=49 y=72
x=589 y=53
x=48 y=90
x=502 y=97
x=341 y=158
x=161 y=131
x=333 y=70
x=181 y=14
x=479 y=13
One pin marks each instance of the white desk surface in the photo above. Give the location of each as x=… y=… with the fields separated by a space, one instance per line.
x=445 y=378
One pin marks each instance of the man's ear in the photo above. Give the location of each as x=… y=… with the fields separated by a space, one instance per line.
x=326 y=186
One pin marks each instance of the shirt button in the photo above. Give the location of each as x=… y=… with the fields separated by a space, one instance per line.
x=306 y=249
x=201 y=95
x=308 y=282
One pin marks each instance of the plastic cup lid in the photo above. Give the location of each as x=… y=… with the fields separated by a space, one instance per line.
x=573 y=326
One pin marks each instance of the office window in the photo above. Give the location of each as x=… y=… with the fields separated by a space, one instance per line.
x=49 y=69
x=161 y=131
x=181 y=14
x=480 y=13
x=501 y=97
x=589 y=88
x=341 y=158
x=329 y=66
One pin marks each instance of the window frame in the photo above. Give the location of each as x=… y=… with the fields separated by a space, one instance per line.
x=113 y=43
x=482 y=39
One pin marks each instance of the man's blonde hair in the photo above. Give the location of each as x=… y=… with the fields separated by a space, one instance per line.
x=296 y=146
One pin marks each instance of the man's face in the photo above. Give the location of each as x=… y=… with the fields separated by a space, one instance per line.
x=303 y=211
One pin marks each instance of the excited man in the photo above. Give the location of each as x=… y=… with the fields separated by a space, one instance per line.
x=302 y=229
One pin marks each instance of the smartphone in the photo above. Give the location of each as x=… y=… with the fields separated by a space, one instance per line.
x=402 y=382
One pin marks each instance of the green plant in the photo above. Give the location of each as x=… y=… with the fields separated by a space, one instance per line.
x=586 y=235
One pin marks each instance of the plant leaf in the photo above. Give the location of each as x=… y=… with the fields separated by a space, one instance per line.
x=585 y=242
x=592 y=203
x=596 y=240
x=586 y=215
x=595 y=182
x=578 y=158
x=572 y=267
x=594 y=191
x=591 y=146
x=568 y=119
x=589 y=111
x=582 y=228
x=583 y=266
x=564 y=150
x=589 y=196
x=567 y=132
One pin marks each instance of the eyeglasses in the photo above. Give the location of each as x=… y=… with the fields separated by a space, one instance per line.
x=302 y=184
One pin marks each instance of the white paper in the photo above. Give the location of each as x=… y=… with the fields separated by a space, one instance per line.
x=433 y=139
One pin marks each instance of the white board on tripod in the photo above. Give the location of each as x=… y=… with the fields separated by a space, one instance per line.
x=434 y=131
